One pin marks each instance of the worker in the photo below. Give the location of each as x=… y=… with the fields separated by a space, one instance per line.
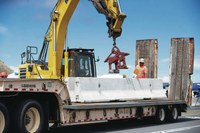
x=140 y=70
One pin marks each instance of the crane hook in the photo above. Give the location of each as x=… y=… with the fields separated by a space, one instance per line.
x=117 y=58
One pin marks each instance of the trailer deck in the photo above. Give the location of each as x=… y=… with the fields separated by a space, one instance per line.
x=140 y=103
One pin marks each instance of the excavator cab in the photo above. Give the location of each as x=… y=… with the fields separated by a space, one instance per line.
x=81 y=63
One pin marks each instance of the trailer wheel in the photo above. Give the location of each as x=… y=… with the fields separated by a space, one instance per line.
x=4 y=119
x=172 y=114
x=30 y=117
x=160 y=115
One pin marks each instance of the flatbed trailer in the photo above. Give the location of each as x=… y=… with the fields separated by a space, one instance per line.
x=30 y=105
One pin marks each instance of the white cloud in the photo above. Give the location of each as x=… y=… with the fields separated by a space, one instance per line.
x=165 y=60
x=197 y=64
x=3 y=29
x=50 y=3
x=130 y=66
x=165 y=79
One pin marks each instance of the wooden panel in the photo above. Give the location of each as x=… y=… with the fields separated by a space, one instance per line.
x=173 y=55
x=148 y=49
x=181 y=67
x=185 y=69
x=191 y=66
x=179 y=64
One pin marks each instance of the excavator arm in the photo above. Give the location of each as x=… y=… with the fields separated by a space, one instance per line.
x=111 y=9
x=56 y=33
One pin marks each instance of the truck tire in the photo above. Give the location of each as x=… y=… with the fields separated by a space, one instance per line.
x=4 y=119
x=172 y=115
x=30 y=117
x=160 y=115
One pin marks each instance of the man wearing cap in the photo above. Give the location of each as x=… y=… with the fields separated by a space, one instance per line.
x=140 y=70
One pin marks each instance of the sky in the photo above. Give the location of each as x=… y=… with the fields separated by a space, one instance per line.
x=24 y=22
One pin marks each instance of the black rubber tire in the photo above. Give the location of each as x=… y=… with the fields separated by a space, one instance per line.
x=172 y=114
x=160 y=115
x=5 y=114
x=27 y=113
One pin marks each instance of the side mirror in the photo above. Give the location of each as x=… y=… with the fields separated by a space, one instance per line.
x=22 y=57
x=23 y=54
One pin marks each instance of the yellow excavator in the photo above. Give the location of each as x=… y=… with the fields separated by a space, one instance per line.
x=63 y=62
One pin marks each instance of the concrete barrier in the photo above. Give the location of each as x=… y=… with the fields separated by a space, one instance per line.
x=108 y=89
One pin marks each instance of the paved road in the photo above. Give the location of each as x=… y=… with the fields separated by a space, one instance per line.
x=188 y=123
x=184 y=125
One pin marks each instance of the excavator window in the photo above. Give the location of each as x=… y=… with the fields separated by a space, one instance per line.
x=81 y=64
